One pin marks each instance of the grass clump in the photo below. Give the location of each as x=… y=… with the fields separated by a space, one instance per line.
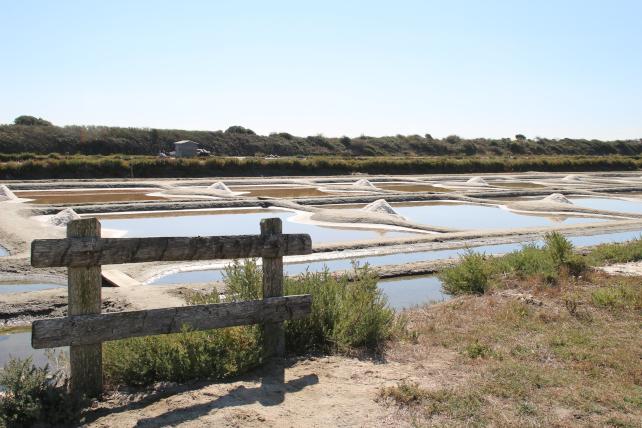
x=619 y=296
x=348 y=312
x=630 y=251
x=431 y=403
x=34 y=396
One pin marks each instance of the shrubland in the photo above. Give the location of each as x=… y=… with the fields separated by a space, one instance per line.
x=36 y=135
x=26 y=166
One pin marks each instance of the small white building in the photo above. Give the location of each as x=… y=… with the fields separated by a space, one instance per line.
x=186 y=149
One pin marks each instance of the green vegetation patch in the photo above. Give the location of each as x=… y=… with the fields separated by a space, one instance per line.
x=347 y=315
x=30 y=166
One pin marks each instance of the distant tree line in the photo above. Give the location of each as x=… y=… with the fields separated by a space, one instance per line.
x=37 y=135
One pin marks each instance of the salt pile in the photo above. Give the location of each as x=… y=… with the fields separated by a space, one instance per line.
x=477 y=181
x=64 y=217
x=572 y=177
x=380 y=206
x=364 y=183
x=221 y=188
x=6 y=193
x=219 y=185
x=557 y=198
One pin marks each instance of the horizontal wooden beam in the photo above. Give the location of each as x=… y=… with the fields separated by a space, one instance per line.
x=78 y=252
x=88 y=329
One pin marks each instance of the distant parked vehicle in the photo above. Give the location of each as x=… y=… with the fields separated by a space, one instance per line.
x=203 y=153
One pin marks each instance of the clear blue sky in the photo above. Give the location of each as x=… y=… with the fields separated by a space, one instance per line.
x=489 y=68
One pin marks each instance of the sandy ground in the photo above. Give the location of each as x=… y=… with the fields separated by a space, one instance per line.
x=315 y=392
x=628 y=269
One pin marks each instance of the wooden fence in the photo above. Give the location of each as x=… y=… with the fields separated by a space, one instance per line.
x=85 y=328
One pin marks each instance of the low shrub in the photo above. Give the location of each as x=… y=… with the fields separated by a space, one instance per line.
x=630 y=251
x=213 y=354
x=348 y=312
x=34 y=396
x=471 y=275
x=475 y=273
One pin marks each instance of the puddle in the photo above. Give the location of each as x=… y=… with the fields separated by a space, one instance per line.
x=278 y=191
x=404 y=293
x=7 y=288
x=609 y=204
x=469 y=216
x=18 y=345
x=88 y=196
x=3 y=251
x=232 y=222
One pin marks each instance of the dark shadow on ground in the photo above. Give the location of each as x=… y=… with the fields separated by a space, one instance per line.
x=271 y=392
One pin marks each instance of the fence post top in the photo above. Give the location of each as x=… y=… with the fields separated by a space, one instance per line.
x=271 y=226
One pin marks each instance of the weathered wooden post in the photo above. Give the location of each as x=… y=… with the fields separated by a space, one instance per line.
x=84 y=298
x=273 y=332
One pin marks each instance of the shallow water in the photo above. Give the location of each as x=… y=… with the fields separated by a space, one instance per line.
x=408 y=187
x=470 y=216
x=88 y=196
x=404 y=293
x=18 y=345
x=609 y=204
x=204 y=276
x=236 y=222
x=278 y=191
x=3 y=251
x=7 y=288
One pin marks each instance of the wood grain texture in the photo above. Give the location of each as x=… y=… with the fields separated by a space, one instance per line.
x=84 y=294
x=88 y=329
x=273 y=333
x=84 y=251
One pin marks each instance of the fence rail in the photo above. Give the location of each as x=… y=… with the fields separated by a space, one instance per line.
x=85 y=328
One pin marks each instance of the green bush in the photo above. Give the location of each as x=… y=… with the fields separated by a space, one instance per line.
x=558 y=248
x=617 y=253
x=33 y=395
x=215 y=354
x=475 y=273
x=529 y=261
x=348 y=312
x=471 y=275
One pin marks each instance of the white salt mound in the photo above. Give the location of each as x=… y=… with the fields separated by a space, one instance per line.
x=477 y=181
x=6 y=193
x=380 y=206
x=558 y=198
x=64 y=217
x=219 y=185
x=572 y=177
x=364 y=183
